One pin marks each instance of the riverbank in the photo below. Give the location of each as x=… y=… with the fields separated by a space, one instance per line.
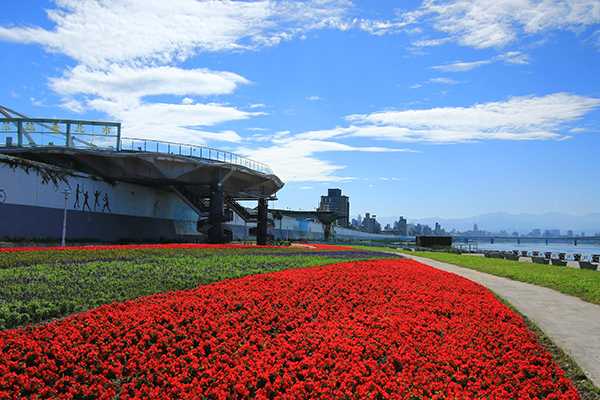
x=586 y=250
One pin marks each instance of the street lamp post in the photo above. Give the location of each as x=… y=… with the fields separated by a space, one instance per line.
x=66 y=193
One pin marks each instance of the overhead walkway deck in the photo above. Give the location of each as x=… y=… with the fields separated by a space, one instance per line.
x=212 y=182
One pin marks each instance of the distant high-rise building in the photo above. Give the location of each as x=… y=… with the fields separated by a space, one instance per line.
x=370 y=224
x=427 y=231
x=335 y=202
x=402 y=226
x=535 y=232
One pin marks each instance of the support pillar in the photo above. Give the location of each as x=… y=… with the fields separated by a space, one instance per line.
x=261 y=229
x=215 y=214
x=327 y=232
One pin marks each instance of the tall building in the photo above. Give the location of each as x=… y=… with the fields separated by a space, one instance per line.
x=402 y=226
x=370 y=224
x=335 y=202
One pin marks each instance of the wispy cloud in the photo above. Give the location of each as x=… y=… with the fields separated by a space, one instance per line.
x=496 y=23
x=129 y=85
x=295 y=158
x=513 y=57
x=125 y=51
x=445 y=81
x=312 y=98
x=173 y=122
x=100 y=33
x=459 y=66
x=518 y=118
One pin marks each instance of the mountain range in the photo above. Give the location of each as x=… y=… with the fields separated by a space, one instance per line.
x=522 y=223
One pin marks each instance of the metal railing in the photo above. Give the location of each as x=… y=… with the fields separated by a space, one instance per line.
x=188 y=150
x=96 y=135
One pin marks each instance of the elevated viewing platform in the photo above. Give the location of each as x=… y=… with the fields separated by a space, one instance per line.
x=201 y=176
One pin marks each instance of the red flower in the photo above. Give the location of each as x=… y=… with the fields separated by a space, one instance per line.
x=381 y=329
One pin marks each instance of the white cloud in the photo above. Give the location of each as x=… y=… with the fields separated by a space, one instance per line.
x=496 y=23
x=380 y=28
x=518 y=118
x=595 y=39
x=121 y=47
x=445 y=81
x=430 y=42
x=293 y=158
x=173 y=122
x=459 y=66
x=129 y=85
x=512 y=57
x=119 y=91
x=312 y=98
x=100 y=33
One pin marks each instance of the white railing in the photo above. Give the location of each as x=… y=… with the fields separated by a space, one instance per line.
x=95 y=135
x=188 y=150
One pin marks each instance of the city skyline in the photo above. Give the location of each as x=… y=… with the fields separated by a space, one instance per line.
x=417 y=228
x=450 y=108
x=524 y=224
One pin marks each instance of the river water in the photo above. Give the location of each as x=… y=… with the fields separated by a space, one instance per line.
x=585 y=250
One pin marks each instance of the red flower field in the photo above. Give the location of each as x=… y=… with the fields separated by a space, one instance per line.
x=378 y=329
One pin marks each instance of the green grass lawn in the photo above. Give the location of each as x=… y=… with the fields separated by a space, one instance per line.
x=581 y=283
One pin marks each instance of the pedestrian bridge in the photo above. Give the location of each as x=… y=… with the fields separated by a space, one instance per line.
x=525 y=239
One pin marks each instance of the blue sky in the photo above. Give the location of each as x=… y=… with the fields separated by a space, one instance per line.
x=415 y=108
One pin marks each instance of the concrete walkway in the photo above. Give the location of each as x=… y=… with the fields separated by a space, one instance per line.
x=569 y=322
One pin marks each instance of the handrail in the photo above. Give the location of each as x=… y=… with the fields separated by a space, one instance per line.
x=98 y=135
x=193 y=151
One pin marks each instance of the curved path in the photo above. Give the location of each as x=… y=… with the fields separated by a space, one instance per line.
x=572 y=324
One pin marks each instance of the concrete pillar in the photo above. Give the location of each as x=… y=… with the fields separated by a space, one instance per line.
x=327 y=232
x=215 y=214
x=261 y=229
